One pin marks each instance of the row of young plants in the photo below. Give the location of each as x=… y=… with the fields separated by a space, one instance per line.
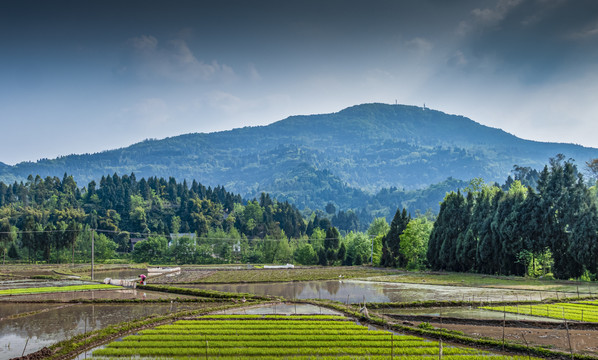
x=565 y=311
x=294 y=337
x=382 y=335
x=54 y=289
x=275 y=317
x=257 y=341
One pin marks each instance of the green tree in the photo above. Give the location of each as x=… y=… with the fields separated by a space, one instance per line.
x=378 y=227
x=305 y=255
x=152 y=250
x=331 y=244
x=414 y=242
x=183 y=251
x=391 y=243
x=6 y=237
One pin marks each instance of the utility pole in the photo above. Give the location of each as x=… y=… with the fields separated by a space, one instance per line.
x=92 y=252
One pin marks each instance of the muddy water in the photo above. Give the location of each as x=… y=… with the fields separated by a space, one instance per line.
x=16 y=309
x=125 y=274
x=123 y=294
x=355 y=291
x=284 y=309
x=61 y=323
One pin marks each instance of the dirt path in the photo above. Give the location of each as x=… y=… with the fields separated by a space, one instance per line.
x=582 y=341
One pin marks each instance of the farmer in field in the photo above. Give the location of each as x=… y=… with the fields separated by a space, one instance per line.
x=142 y=281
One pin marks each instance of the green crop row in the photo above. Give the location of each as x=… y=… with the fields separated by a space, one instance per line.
x=257 y=339
x=269 y=344
x=341 y=357
x=52 y=289
x=281 y=351
x=265 y=322
x=569 y=311
x=282 y=317
x=257 y=332
x=370 y=336
x=260 y=326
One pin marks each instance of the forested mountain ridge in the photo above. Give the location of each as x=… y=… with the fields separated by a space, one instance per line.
x=338 y=157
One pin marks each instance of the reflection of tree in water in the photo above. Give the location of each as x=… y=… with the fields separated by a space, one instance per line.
x=70 y=320
x=393 y=294
x=333 y=287
x=287 y=290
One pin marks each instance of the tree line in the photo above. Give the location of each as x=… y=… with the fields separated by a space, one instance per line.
x=520 y=230
x=52 y=220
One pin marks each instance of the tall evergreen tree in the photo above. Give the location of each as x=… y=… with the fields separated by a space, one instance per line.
x=391 y=243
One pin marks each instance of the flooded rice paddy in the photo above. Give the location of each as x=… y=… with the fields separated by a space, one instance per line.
x=54 y=323
x=354 y=291
x=120 y=294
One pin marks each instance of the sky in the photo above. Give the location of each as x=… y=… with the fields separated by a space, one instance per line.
x=87 y=76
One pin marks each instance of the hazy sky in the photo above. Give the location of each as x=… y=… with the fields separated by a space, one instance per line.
x=86 y=76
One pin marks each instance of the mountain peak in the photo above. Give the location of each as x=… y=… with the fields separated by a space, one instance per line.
x=367 y=146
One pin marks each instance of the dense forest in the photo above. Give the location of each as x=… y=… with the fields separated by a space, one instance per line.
x=520 y=230
x=535 y=224
x=53 y=220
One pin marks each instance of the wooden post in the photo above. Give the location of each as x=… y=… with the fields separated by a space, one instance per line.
x=25 y=348
x=527 y=346
x=568 y=335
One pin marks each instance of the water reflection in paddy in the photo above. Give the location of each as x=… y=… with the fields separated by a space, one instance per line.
x=355 y=291
x=67 y=320
x=119 y=294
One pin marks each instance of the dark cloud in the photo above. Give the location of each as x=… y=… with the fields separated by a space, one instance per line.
x=536 y=38
x=234 y=63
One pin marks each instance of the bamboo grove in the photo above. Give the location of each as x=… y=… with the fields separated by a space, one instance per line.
x=521 y=230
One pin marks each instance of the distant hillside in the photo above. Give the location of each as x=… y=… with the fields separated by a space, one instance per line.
x=341 y=157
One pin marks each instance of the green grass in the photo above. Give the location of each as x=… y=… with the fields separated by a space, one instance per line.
x=279 y=337
x=54 y=289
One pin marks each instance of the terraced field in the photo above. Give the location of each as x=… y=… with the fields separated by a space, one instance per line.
x=274 y=336
x=579 y=311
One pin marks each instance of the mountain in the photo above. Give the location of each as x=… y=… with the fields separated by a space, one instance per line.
x=342 y=157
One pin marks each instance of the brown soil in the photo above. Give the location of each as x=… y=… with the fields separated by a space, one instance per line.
x=186 y=276
x=40 y=354
x=583 y=341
